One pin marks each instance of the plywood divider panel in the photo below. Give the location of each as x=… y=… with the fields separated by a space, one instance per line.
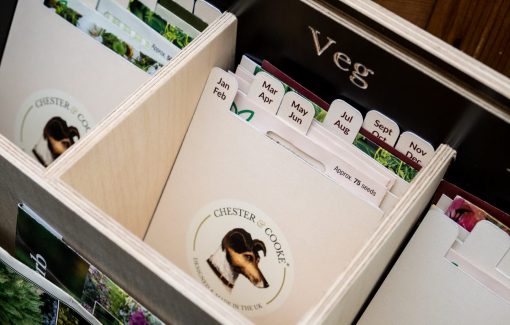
x=144 y=274
x=345 y=298
x=123 y=165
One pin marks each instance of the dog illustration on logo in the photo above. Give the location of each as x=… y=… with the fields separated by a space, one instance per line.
x=238 y=254
x=57 y=138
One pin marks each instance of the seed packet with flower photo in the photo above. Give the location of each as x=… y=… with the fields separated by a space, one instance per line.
x=43 y=249
x=99 y=28
x=450 y=190
x=468 y=214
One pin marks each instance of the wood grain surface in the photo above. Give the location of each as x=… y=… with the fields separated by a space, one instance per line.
x=111 y=167
x=480 y=28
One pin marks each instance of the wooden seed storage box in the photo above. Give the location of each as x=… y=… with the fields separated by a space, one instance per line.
x=102 y=193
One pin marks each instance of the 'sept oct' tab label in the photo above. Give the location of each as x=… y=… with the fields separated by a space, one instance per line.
x=382 y=127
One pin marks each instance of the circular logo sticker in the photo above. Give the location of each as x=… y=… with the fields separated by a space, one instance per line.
x=49 y=122
x=241 y=255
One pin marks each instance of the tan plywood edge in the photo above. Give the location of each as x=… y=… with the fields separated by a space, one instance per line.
x=13 y=163
x=122 y=166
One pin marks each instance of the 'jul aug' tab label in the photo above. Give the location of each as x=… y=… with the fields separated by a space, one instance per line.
x=343 y=120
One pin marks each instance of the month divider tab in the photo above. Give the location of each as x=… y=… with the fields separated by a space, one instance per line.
x=415 y=148
x=220 y=89
x=267 y=91
x=382 y=127
x=343 y=120
x=296 y=111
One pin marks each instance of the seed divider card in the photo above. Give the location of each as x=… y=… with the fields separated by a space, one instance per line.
x=337 y=168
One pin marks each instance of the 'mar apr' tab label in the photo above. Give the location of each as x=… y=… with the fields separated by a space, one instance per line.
x=382 y=127
x=343 y=120
x=296 y=111
x=267 y=91
x=415 y=148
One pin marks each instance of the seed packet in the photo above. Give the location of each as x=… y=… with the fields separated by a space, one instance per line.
x=28 y=298
x=174 y=19
x=386 y=156
x=43 y=249
x=186 y=15
x=171 y=32
x=137 y=32
x=468 y=214
x=97 y=27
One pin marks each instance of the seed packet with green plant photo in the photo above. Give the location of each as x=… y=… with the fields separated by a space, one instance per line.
x=186 y=15
x=137 y=32
x=385 y=158
x=171 y=32
x=100 y=29
x=28 y=298
x=42 y=248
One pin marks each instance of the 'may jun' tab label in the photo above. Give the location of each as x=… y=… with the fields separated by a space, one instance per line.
x=343 y=120
x=415 y=148
x=382 y=127
x=267 y=91
x=296 y=111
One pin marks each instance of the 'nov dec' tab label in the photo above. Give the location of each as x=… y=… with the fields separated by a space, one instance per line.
x=343 y=120
x=382 y=127
x=267 y=91
x=296 y=111
x=415 y=148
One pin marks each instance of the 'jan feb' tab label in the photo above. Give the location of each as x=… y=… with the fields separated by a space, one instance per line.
x=220 y=89
x=343 y=120
x=415 y=148
x=296 y=111
x=267 y=91
x=382 y=127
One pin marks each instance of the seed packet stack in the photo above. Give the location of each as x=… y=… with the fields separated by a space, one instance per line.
x=93 y=54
